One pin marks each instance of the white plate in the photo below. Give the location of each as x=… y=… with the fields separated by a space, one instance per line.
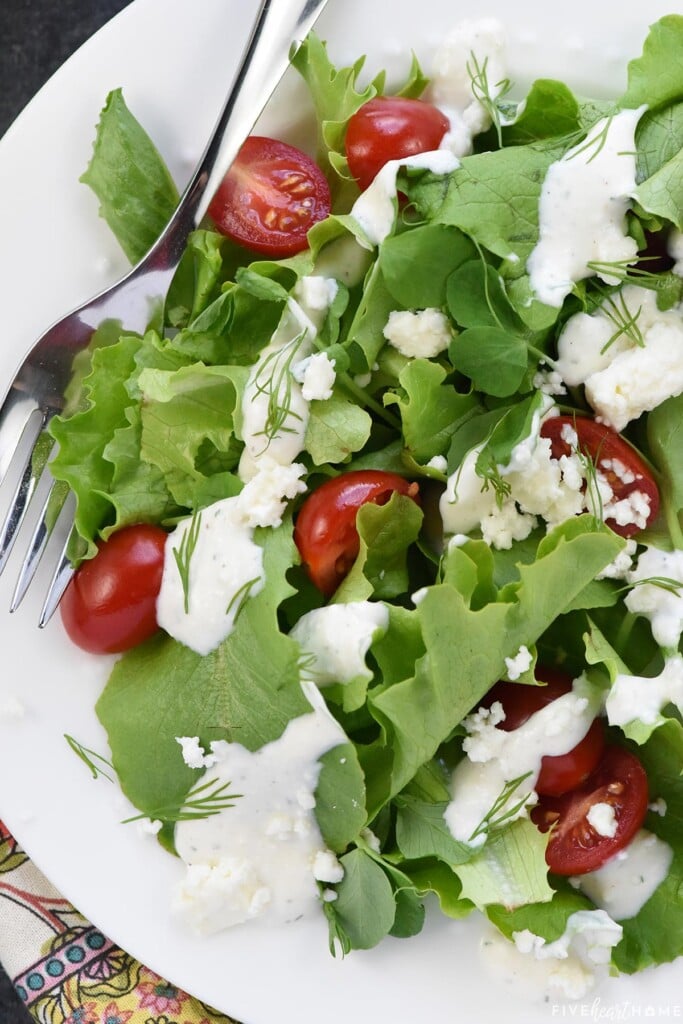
x=172 y=59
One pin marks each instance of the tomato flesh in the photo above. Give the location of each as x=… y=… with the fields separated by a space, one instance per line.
x=270 y=198
x=391 y=128
x=325 y=531
x=561 y=772
x=575 y=847
x=110 y=604
x=617 y=461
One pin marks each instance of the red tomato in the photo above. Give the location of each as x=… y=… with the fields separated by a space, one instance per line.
x=270 y=197
x=605 y=448
x=575 y=847
x=563 y=771
x=389 y=128
x=325 y=531
x=110 y=604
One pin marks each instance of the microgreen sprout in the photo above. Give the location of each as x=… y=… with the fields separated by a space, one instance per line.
x=625 y=322
x=183 y=555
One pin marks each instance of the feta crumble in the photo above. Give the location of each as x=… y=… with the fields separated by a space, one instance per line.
x=422 y=334
x=520 y=664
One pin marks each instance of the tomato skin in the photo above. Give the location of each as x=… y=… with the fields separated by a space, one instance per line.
x=575 y=847
x=325 y=531
x=110 y=604
x=270 y=198
x=390 y=128
x=561 y=772
x=603 y=445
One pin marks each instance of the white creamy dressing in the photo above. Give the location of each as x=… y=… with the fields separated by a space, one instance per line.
x=272 y=382
x=582 y=210
x=375 y=209
x=470 y=62
x=225 y=564
x=628 y=374
x=263 y=856
x=335 y=639
x=643 y=698
x=567 y=968
x=495 y=757
x=664 y=608
x=624 y=884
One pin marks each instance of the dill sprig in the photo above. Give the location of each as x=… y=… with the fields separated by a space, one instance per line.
x=625 y=322
x=90 y=758
x=274 y=379
x=183 y=555
x=240 y=598
x=202 y=801
x=492 y=477
x=596 y=142
x=481 y=90
x=499 y=813
x=663 y=582
x=624 y=272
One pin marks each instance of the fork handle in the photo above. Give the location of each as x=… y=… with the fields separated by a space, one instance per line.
x=279 y=28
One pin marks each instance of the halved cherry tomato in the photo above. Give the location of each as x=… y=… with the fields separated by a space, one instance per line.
x=389 y=128
x=561 y=772
x=110 y=604
x=617 y=461
x=325 y=530
x=575 y=847
x=270 y=198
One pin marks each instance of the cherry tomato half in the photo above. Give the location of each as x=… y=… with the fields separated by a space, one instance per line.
x=110 y=604
x=561 y=772
x=271 y=196
x=325 y=530
x=576 y=847
x=390 y=128
x=617 y=461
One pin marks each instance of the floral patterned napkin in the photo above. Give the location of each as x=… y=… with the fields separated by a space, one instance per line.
x=65 y=970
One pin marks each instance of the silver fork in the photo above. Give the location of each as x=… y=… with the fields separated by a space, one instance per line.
x=37 y=392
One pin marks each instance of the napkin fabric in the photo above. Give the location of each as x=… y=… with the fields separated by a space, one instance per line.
x=65 y=970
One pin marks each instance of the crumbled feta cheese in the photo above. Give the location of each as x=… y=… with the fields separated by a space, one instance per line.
x=316 y=374
x=658 y=806
x=371 y=839
x=335 y=639
x=520 y=664
x=193 y=753
x=149 y=827
x=625 y=373
x=663 y=607
x=439 y=463
x=624 y=884
x=622 y=564
x=470 y=61
x=326 y=867
x=602 y=819
x=316 y=293
x=221 y=894
x=424 y=333
x=549 y=382
x=675 y=250
x=582 y=209
x=263 y=500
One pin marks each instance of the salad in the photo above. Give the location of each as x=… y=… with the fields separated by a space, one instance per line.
x=384 y=511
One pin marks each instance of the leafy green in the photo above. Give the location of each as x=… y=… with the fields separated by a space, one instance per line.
x=136 y=191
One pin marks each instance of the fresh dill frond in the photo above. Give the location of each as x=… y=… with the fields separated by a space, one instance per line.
x=492 y=477
x=625 y=272
x=625 y=322
x=671 y=586
x=202 y=801
x=481 y=89
x=90 y=758
x=596 y=143
x=183 y=555
x=240 y=597
x=274 y=380
x=499 y=813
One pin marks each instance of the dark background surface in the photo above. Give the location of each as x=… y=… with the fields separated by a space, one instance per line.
x=36 y=36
